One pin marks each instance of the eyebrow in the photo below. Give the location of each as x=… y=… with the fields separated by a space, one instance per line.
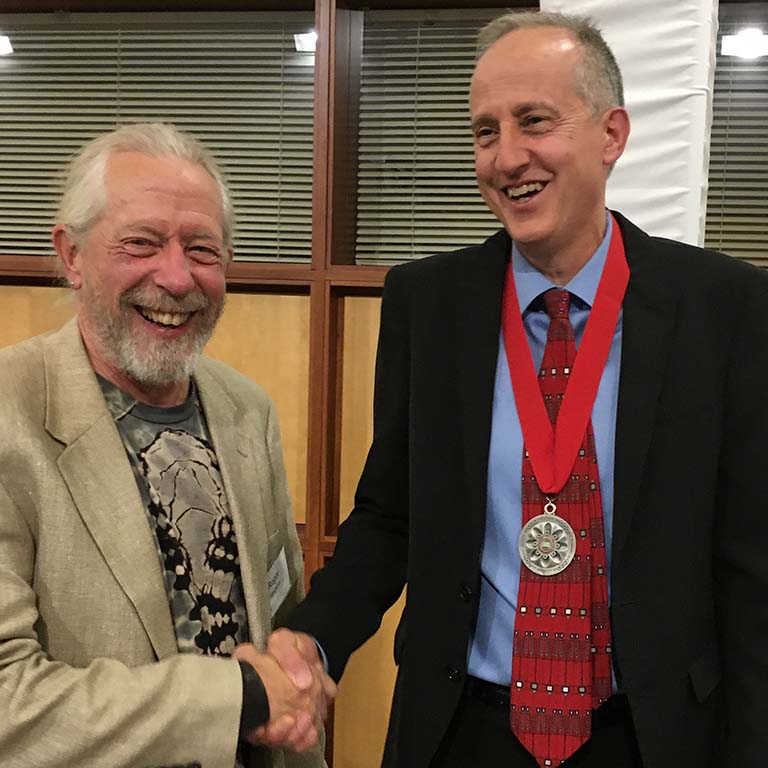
x=202 y=234
x=522 y=109
x=144 y=228
x=482 y=120
x=535 y=106
x=141 y=228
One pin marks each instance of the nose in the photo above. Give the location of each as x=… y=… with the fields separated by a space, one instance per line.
x=512 y=153
x=173 y=272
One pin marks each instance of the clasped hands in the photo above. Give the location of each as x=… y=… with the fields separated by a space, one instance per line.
x=298 y=690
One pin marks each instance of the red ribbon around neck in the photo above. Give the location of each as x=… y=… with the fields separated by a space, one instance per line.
x=553 y=449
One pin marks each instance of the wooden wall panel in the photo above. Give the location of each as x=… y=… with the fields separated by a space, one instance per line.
x=28 y=311
x=361 y=331
x=365 y=692
x=266 y=337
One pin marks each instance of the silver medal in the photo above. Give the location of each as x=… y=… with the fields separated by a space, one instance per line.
x=547 y=543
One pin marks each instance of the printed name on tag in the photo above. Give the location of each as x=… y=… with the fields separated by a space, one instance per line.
x=279 y=581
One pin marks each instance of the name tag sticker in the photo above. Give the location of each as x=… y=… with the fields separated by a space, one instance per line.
x=279 y=581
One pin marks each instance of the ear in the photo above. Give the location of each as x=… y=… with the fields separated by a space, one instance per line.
x=228 y=262
x=69 y=253
x=616 y=133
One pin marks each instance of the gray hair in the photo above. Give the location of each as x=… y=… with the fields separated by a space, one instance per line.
x=83 y=196
x=599 y=75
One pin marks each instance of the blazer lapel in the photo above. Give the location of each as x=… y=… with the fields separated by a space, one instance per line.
x=480 y=288
x=233 y=437
x=95 y=469
x=648 y=319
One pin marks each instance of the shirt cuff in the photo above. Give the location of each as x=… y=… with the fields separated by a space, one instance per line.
x=255 y=709
x=323 y=657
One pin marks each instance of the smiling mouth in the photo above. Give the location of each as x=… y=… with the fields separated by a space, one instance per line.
x=164 y=319
x=524 y=192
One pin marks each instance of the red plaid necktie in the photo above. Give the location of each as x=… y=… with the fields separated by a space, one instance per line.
x=561 y=667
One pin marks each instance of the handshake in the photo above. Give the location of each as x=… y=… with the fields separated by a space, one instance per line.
x=298 y=690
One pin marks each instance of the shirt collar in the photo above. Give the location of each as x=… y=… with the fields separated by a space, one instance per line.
x=530 y=283
x=120 y=404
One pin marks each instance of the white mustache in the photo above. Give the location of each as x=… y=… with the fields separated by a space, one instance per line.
x=162 y=302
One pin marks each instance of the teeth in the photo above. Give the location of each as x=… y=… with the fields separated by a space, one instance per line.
x=165 y=318
x=524 y=189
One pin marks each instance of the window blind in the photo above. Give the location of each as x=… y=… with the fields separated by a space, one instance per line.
x=416 y=181
x=234 y=81
x=737 y=203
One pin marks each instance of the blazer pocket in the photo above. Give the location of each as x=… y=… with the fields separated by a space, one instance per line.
x=705 y=673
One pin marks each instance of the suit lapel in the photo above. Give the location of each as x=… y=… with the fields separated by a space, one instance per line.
x=233 y=437
x=648 y=319
x=101 y=482
x=480 y=286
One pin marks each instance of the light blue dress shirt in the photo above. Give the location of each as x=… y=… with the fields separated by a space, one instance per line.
x=490 y=652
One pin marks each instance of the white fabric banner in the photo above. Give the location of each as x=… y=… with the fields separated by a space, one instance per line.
x=666 y=51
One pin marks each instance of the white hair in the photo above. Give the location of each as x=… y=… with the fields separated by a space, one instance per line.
x=83 y=196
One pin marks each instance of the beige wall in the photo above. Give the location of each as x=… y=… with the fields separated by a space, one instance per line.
x=266 y=337
x=29 y=311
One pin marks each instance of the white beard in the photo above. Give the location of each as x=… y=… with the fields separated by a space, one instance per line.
x=151 y=361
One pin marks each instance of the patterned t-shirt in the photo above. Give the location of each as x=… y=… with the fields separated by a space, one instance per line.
x=178 y=475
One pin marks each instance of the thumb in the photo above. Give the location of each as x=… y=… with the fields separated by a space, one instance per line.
x=283 y=645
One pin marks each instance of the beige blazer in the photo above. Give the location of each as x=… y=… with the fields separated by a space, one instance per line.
x=89 y=670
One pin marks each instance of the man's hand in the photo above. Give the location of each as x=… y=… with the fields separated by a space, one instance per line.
x=298 y=701
x=297 y=654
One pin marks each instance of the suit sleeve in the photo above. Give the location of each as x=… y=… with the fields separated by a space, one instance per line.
x=366 y=575
x=181 y=710
x=741 y=571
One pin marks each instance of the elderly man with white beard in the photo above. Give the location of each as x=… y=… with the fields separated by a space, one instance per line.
x=146 y=540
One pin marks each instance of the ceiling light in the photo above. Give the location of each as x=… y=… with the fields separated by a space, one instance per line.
x=306 y=43
x=747 y=44
x=5 y=45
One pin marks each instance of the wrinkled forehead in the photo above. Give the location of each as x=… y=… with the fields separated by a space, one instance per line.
x=138 y=185
x=135 y=171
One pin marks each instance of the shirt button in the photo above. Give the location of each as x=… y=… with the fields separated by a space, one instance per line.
x=465 y=592
x=453 y=674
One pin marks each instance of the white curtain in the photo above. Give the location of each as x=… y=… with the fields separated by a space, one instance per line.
x=666 y=51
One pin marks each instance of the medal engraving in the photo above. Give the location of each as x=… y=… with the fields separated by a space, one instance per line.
x=547 y=543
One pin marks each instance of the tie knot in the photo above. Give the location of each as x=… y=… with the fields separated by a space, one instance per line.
x=556 y=302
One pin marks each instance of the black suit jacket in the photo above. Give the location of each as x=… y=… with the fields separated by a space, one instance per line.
x=689 y=579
